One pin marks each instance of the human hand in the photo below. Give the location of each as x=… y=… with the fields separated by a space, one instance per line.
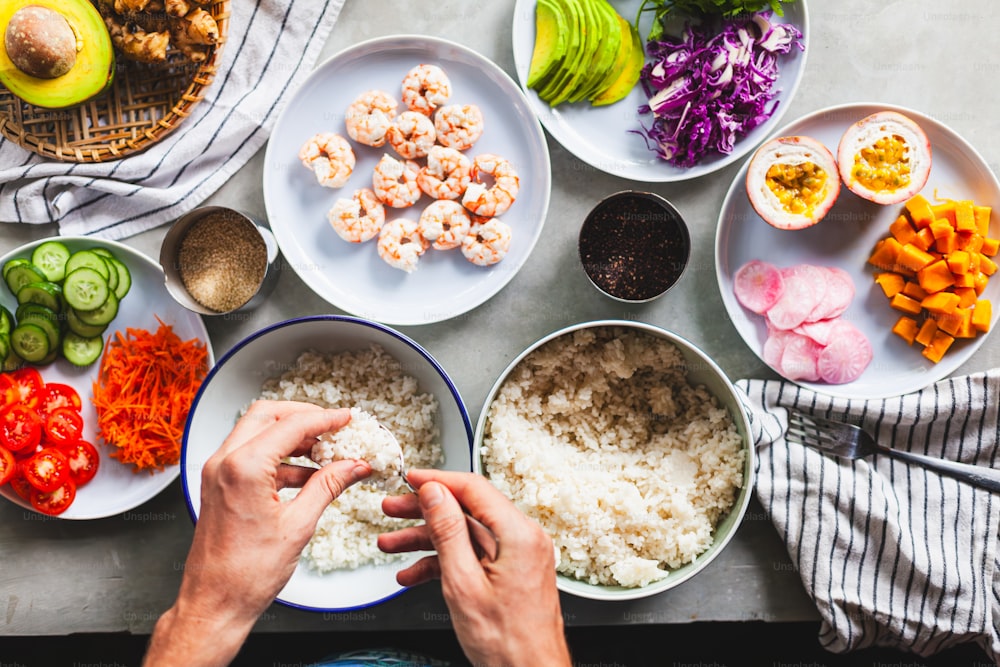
x=505 y=612
x=247 y=541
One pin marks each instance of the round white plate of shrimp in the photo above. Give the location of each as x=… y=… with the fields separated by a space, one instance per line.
x=407 y=181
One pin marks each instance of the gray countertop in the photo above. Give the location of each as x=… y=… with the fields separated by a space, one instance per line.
x=120 y=573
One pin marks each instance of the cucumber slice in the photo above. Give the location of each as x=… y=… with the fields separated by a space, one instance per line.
x=81 y=351
x=51 y=257
x=124 y=277
x=11 y=362
x=44 y=294
x=50 y=327
x=103 y=314
x=85 y=288
x=6 y=322
x=88 y=259
x=11 y=263
x=30 y=342
x=33 y=308
x=21 y=274
x=112 y=274
x=81 y=328
x=4 y=346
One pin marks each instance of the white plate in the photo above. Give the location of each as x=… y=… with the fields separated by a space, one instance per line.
x=237 y=380
x=351 y=276
x=845 y=238
x=601 y=136
x=115 y=488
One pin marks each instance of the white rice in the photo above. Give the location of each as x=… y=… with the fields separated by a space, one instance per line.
x=599 y=437
x=373 y=382
x=364 y=438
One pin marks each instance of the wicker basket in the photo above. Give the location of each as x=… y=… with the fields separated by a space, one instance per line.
x=143 y=105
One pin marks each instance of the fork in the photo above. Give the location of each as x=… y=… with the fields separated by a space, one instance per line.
x=852 y=442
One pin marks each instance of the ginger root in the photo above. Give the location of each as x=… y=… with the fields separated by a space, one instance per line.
x=149 y=31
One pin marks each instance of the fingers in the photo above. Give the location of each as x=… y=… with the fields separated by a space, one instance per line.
x=476 y=494
x=259 y=416
x=322 y=487
x=405 y=540
x=422 y=571
x=402 y=507
x=448 y=532
x=293 y=476
x=290 y=429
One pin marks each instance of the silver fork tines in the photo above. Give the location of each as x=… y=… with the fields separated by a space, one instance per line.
x=849 y=441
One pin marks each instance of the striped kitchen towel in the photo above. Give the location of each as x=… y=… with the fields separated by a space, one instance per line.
x=271 y=47
x=892 y=554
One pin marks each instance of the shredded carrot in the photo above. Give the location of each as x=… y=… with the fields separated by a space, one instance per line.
x=143 y=393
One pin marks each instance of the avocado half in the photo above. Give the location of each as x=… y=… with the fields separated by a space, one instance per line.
x=47 y=65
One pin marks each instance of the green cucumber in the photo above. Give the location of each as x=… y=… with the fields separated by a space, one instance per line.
x=43 y=293
x=103 y=314
x=81 y=328
x=30 y=342
x=6 y=322
x=21 y=274
x=85 y=288
x=124 y=277
x=51 y=258
x=81 y=351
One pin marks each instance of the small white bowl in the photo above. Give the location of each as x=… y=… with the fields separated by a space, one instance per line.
x=236 y=381
x=701 y=370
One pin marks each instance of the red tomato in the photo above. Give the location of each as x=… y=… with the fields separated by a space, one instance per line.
x=63 y=425
x=7 y=396
x=8 y=465
x=57 y=395
x=56 y=501
x=20 y=428
x=47 y=470
x=21 y=487
x=83 y=460
x=28 y=385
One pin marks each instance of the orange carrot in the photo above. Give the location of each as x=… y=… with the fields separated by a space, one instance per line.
x=143 y=393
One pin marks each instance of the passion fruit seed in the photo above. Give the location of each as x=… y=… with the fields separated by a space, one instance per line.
x=799 y=187
x=884 y=165
x=40 y=42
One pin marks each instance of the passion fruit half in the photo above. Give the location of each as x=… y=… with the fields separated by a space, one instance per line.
x=55 y=53
x=792 y=182
x=885 y=158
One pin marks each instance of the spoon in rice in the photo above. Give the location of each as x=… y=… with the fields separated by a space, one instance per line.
x=484 y=541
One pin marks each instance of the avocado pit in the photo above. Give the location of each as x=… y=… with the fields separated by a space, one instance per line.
x=41 y=42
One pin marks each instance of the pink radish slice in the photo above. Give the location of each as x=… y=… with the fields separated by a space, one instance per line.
x=839 y=294
x=799 y=359
x=798 y=298
x=846 y=356
x=818 y=331
x=774 y=346
x=758 y=286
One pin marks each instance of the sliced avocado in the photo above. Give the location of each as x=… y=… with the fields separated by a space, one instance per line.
x=621 y=58
x=56 y=53
x=550 y=42
x=628 y=75
x=563 y=76
x=608 y=37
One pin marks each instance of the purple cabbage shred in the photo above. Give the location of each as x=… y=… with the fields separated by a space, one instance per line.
x=712 y=85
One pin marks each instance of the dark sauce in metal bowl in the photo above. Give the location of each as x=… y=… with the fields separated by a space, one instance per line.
x=634 y=245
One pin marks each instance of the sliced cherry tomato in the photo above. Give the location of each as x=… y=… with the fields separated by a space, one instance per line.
x=21 y=487
x=20 y=428
x=56 y=501
x=7 y=393
x=63 y=425
x=47 y=470
x=8 y=465
x=28 y=385
x=83 y=460
x=58 y=395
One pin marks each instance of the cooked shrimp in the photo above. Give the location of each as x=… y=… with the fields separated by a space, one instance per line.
x=412 y=135
x=494 y=200
x=330 y=157
x=445 y=223
x=359 y=218
x=446 y=174
x=369 y=117
x=400 y=244
x=395 y=182
x=425 y=88
x=458 y=125
x=487 y=242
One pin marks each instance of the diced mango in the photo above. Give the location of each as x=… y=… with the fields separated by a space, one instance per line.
x=902 y=230
x=965 y=280
x=979 y=283
x=969 y=241
x=966 y=296
x=939 y=345
x=982 y=214
x=944 y=211
x=890 y=282
x=947 y=244
x=982 y=314
x=990 y=246
x=925 y=239
x=906 y=328
x=986 y=265
x=914 y=290
x=958 y=261
x=885 y=253
x=965 y=328
x=941 y=228
x=906 y=304
x=942 y=303
x=926 y=333
x=912 y=257
x=965 y=219
x=935 y=277
x=920 y=211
